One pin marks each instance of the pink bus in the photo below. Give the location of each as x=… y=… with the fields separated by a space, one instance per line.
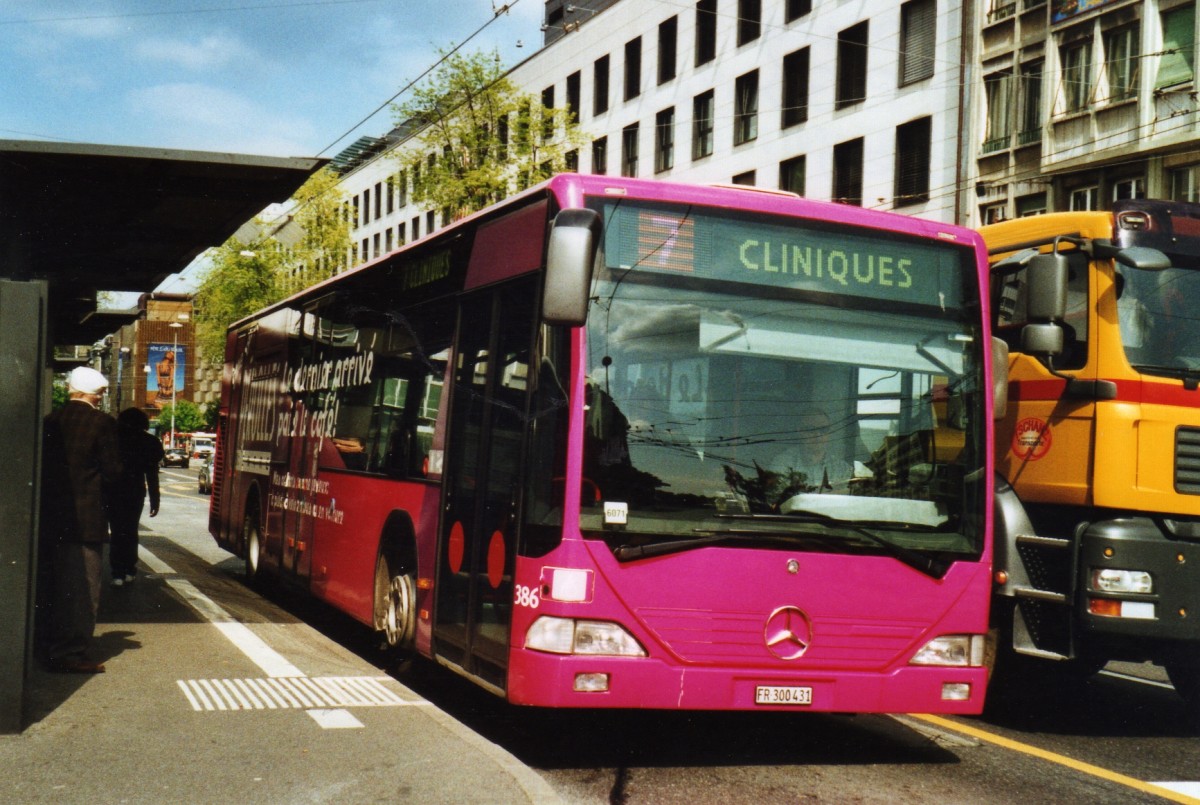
x=624 y=443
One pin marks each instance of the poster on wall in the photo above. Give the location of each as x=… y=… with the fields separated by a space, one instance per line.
x=165 y=378
x=1065 y=9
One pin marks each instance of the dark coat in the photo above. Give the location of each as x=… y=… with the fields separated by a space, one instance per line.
x=141 y=454
x=79 y=460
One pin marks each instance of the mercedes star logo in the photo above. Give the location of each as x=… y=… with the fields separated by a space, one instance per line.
x=788 y=633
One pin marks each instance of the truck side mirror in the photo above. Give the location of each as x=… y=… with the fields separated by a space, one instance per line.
x=1046 y=304
x=1047 y=277
x=999 y=378
x=575 y=241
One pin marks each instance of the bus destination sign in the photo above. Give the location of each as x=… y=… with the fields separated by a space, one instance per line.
x=765 y=252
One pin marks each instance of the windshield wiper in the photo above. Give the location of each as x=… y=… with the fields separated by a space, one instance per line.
x=1189 y=376
x=929 y=565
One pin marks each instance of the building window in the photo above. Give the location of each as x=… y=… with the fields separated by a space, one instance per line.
x=664 y=140
x=747 y=179
x=629 y=150
x=1185 y=184
x=793 y=174
x=571 y=161
x=600 y=86
x=574 y=80
x=600 y=156
x=745 y=110
x=1121 y=62
x=852 y=66
x=416 y=228
x=918 y=25
x=668 y=33
x=795 y=9
x=391 y=195
x=706 y=31
x=795 y=88
x=993 y=213
x=1030 y=101
x=702 y=124
x=848 y=172
x=633 y=68
x=1034 y=204
x=1125 y=189
x=430 y=222
x=547 y=113
x=366 y=207
x=378 y=200
x=912 y=162
x=1084 y=198
x=1176 y=65
x=749 y=24
x=997 y=88
x=1076 y=61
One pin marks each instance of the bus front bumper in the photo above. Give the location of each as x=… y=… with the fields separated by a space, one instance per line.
x=550 y=680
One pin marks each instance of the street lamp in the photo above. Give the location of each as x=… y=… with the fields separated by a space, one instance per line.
x=175 y=327
x=121 y=353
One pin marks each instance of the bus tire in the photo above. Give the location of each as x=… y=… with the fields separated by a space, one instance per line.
x=252 y=540
x=395 y=606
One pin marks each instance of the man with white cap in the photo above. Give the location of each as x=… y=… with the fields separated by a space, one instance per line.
x=80 y=460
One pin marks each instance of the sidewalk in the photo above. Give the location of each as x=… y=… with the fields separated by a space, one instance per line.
x=213 y=695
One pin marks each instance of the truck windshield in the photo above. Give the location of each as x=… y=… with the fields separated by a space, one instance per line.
x=840 y=387
x=1159 y=327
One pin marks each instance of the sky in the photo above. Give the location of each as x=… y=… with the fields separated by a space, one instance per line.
x=289 y=78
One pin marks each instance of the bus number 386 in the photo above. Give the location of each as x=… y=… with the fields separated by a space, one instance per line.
x=526 y=596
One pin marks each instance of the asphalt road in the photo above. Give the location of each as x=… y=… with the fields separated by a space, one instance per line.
x=1119 y=737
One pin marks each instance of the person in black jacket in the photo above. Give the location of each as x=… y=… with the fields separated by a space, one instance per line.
x=80 y=463
x=140 y=457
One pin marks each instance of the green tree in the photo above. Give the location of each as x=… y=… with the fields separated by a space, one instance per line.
x=290 y=253
x=188 y=417
x=479 y=138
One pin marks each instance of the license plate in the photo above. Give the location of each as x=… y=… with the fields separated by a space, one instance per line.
x=777 y=694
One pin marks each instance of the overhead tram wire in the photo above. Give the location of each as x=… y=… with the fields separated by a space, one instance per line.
x=504 y=9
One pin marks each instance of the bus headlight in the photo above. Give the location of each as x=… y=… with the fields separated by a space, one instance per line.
x=960 y=650
x=1122 y=581
x=570 y=636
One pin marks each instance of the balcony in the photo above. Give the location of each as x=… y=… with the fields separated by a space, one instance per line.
x=1001 y=12
x=1029 y=136
x=995 y=144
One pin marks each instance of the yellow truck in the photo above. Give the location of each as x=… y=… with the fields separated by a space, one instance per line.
x=1098 y=501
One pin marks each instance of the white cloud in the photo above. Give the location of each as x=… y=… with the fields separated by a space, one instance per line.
x=204 y=117
x=208 y=53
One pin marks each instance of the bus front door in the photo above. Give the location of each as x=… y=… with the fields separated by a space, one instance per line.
x=483 y=471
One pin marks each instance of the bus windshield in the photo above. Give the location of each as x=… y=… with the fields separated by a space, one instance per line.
x=761 y=380
x=1158 y=327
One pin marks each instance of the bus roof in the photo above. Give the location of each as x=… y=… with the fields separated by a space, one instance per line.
x=571 y=190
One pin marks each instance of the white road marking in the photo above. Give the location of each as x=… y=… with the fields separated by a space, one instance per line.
x=1187 y=789
x=272 y=662
x=292 y=693
x=335 y=719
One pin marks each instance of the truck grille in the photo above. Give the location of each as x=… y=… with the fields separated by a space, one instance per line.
x=1187 y=461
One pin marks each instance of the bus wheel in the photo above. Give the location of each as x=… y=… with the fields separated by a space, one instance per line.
x=252 y=539
x=1186 y=679
x=395 y=606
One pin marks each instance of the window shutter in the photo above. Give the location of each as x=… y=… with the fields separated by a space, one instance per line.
x=1178 y=36
x=919 y=29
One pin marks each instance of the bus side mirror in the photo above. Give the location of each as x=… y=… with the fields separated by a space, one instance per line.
x=999 y=378
x=1047 y=304
x=575 y=241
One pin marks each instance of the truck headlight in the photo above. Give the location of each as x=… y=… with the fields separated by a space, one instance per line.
x=959 y=650
x=1109 y=580
x=570 y=636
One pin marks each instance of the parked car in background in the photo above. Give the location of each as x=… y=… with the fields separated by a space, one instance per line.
x=176 y=458
x=204 y=477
